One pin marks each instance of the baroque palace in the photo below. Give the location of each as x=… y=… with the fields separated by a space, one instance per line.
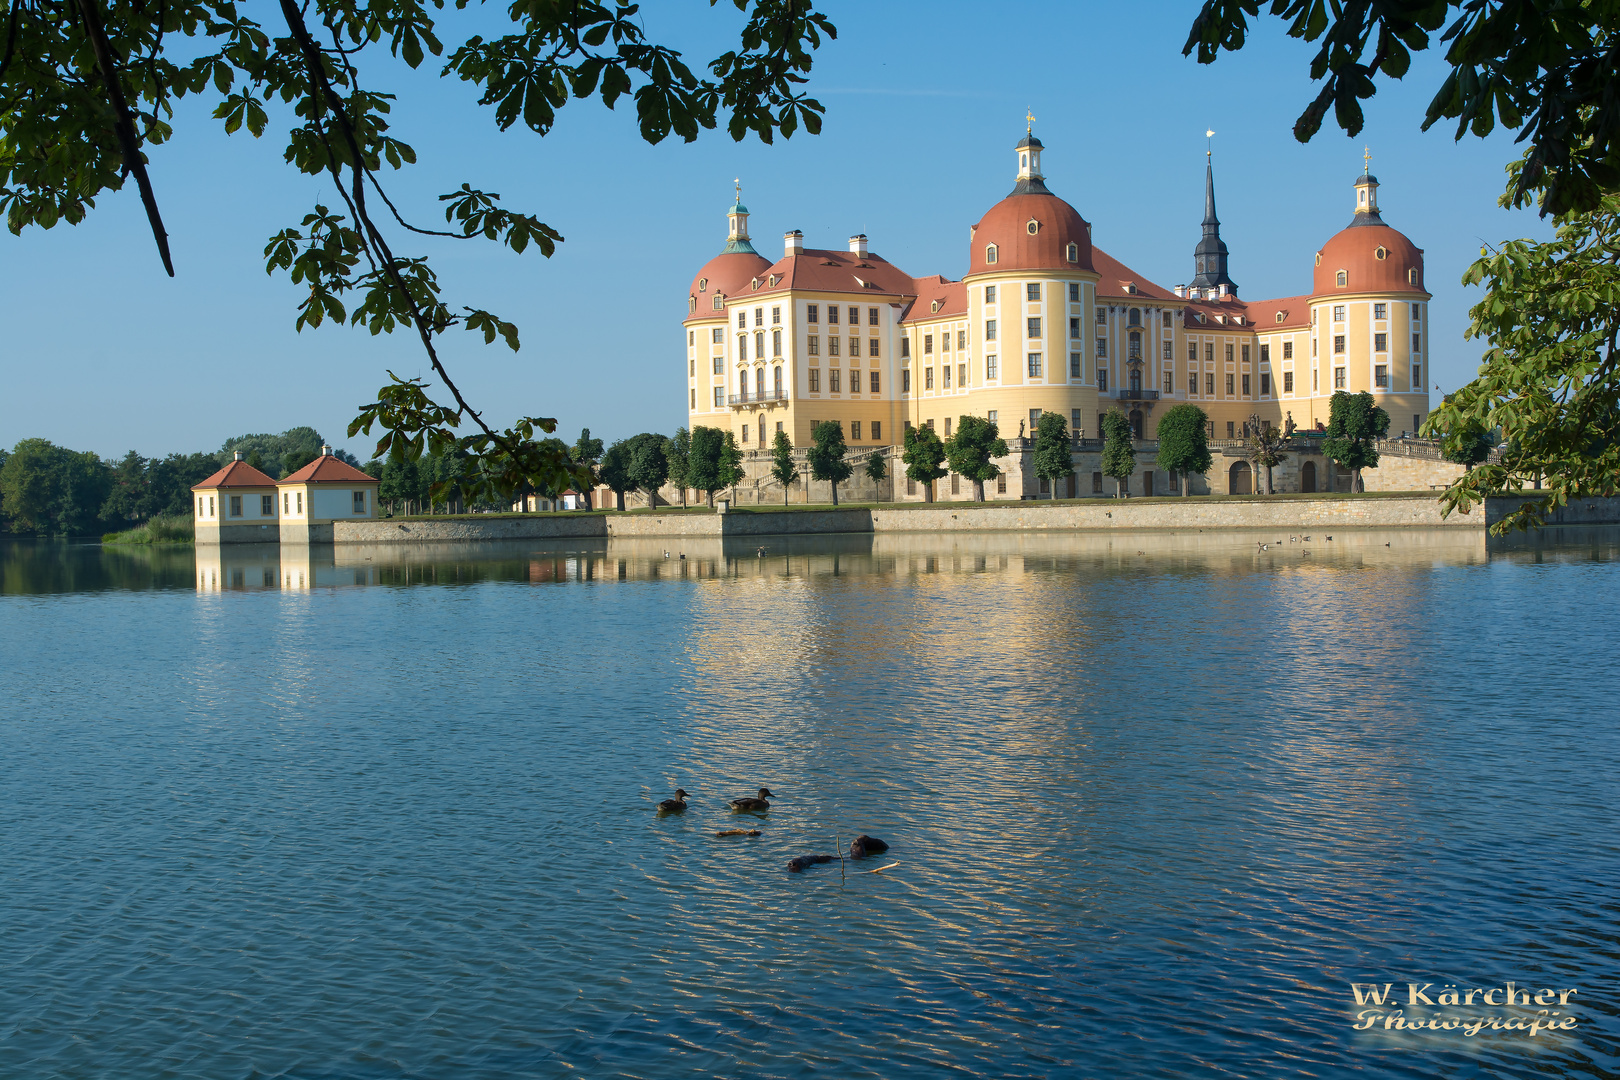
x=1045 y=320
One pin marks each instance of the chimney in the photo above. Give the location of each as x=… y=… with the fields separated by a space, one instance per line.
x=1222 y=288
x=1181 y=290
x=793 y=243
x=857 y=245
x=326 y=451
x=238 y=455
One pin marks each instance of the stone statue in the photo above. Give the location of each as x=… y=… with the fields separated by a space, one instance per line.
x=1289 y=426
x=1020 y=429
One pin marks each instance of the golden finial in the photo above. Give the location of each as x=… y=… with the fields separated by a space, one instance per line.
x=737 y=183
x=1366 y=161
x=1209 y=133
x=1029 y=123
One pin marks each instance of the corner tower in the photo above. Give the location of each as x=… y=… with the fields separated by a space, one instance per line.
x=1209 y=257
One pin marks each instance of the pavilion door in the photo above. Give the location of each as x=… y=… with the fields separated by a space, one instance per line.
x=1147 y=485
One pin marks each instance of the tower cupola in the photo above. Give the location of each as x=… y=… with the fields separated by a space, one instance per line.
x=1209 y=257
x=737 y=236
x=1366 y=194
x=1030 y=178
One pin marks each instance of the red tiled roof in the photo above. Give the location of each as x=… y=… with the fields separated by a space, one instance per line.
x=1006 y=225
x=236 y=474
x=1295 y=312
x=1354 y=250
x=1114 y=276
x=328 y=470
x=951 y=295
x=728 y=273
x=835 y=271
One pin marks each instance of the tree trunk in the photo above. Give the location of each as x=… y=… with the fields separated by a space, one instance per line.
x=978 y=491
x=1269 y=489
x=835 y=492
x=620 y=496
x=928 y=492
x=784 y=494
x=1355 y=481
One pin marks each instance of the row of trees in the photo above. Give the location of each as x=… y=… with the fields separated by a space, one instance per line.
x=50 y=490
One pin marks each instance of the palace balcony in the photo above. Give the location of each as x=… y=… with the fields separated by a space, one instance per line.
x=758 y=398
x=1127 y=393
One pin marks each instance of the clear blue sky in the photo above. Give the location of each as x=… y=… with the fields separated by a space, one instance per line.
x=924 y=103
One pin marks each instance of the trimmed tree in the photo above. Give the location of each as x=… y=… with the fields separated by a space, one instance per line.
x=1469 y=444
x=1266 y=450
x=730 y=472
x=649 y=468
x=678 y=452
x=827 y=451
x=877 y=467
x=969 y=452
x=1054 y=454
x=703 y=466
x=923 y=455
x=1184 y=443
x=783 y=468
x=615 y=470
x=1355 y=424
x=1119 y=454
x=586 y=452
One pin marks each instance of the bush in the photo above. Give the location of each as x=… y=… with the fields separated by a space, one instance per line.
x=158 y=530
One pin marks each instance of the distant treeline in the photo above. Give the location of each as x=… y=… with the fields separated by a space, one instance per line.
x=49 y=490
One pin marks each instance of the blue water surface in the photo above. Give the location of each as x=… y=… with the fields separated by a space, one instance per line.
x=1155 y=803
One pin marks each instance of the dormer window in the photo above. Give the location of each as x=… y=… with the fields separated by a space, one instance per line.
x=1281 y=315
x=772 y=280
x=1342 y=279
x=691 y=304
x=1380 y=253
x=1318 y=258
x=1200 y=316
x=1072 y=252
x=934 y=307
x=754 y=284
x=1411 y=276
x=703 y=284
x=1032 y=226
x=990 y=254
x=719 y=302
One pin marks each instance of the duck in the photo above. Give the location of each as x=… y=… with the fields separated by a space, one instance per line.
x=863 y=845
x=675 y=805
x=754 y=803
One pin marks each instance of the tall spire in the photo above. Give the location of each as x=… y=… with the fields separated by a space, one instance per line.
x=737 y=237
x=1209 y=257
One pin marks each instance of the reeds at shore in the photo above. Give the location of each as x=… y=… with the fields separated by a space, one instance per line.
x=157 y=530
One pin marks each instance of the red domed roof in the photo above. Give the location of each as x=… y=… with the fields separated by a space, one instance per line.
x=1007 y=224
x=728 y=273
x=1356 y=249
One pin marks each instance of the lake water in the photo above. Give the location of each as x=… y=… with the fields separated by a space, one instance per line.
x=1155 y=801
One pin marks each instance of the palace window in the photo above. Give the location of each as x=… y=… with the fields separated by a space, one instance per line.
x=1343 y=279
x=1338 y=313
x=989 y=329
x=1245 y=354
x=1230 y=426
x=1338 y=344
x=1381 y=375
x=1245 y=383
x=1102 y=316
x=1192 y=383
x=1228 y=384
x=989 y=294
x=759 y=345
x=776 y=343
x=1417 y=313
x=1102 y=383
x=1338 y=378
x=961 y=376
x=1169 y=350
x=1192 y=351
x=855 y=430
x=1074 y=329
x=854 y=316
x=813 y=313
x=776 y=378
x=991 y=367
x=1417 y=377
x=719 y=302
x=1288 y=382
x=1167 y=323
x=1417 y=343
x=1074 y=292
x=1229 y=354
x=1034 y=328
x=719 y=396
x=815 y=380
x=759 y=316
x=872 y=317
x=928 y=344
x=990 y=254
x=691 y=338
x=1265 y=354
x=1380 y=343
x=874 y=381
x=1032 y=292
x=1034 y=365
x=1133 y=345
x=1380 y=311
x=1209 y=384
x=833 y=380
x=1169 y=383
x=1135 y=318
x=742 y=346
x=1411 y=276
x=871 y=346
x=833 y=346
x=855 y=346
x=961 y=339
x=1209 y=352
x=905 y=380
x=717 y=336
x=1380 y=253
x=814 y=345
x=877 y=431
x=776 y=315
x=1074 y=365
x=928 y=378
x=1072 y=252
x=945 y=376
x=742 y=319
x=945 y=341
x=832 y=313
x=905 y=348
x=1288 y=350
x=1265 y=385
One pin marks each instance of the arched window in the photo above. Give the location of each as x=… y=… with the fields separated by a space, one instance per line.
x=742 y=346
x=1343 y=279
x=1073 y=252
x=778 y=376
x=1411 y=276
x=990 y=253
x=719 y=302
x=691 y=304
x=1136 y=317
x=1135 y=345
x=759 y=381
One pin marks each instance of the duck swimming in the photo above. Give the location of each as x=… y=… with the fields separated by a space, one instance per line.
x=752 y=803
x=675 y=805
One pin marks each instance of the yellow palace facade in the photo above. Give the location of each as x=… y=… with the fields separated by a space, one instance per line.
x=1045 y=321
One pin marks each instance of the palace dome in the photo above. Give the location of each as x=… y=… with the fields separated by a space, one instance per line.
x=1373 y=257
x=728 y=273
x=1031 y=229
